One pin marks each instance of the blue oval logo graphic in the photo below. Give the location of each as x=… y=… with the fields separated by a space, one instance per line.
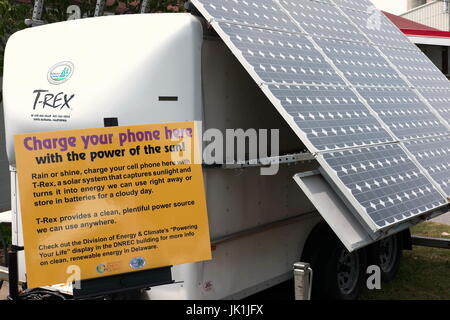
x=101 y=268
x=60 y=72
x=137 y=263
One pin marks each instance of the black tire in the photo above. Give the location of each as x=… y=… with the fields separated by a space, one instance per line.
x=387 y=254
x=338 y=275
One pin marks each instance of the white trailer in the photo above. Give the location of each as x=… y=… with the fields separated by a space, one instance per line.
x=125 y=67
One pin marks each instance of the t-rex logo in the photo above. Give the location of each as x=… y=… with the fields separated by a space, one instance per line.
x=45 y=99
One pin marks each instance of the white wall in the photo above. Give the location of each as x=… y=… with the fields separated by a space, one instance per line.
x=415 y=3
x=432 y=15
x=395 y=7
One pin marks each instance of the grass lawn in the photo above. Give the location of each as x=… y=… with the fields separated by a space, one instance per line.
x=424 y=272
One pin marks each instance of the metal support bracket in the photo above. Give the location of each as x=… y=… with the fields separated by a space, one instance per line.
x=144 y=6
x=440 y=243
x=99 y=8
x=36 y=19
x=303 y=276
x=303 y=157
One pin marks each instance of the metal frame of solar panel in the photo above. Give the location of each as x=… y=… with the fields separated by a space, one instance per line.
x=403 y=111
x=360 y=63
x=439 y=99
x=433 y=154
x=329 y=117
x=330 y=67
x=382 y=182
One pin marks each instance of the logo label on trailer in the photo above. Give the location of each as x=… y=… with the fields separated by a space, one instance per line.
x=137 y=263
x=44 y=101
x=60 y=72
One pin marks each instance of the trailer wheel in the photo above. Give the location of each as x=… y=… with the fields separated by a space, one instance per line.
x=346 y=273
x=387 y=254
x=338 y=274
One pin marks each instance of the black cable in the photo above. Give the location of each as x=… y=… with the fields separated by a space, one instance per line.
x=41 y=294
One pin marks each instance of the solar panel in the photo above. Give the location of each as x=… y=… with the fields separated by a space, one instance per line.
x=321 y=19
x=433 y=154
x=379 y=29
x=360 y=5
x=280 y=57
x=382 y=183
x=258 y=13
x=338 y=73
x=360 y=63
x=330 y=117
x=405 y=114
x=439 y=99
x=417 y=68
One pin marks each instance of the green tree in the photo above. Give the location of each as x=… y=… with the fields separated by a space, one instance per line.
x=13 y=15
x=56 y=10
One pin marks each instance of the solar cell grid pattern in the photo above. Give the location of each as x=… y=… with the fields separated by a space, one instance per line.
x=405 y=114
x=259 y=13
x=281 y=57
x=379 y=29
x=321 y=19
x=331 y=117
x=385 y=182
x=417 y=68
x=439 y=99
x=360 y=63
x=278 y=41
x=433 y=154
x=360 y=5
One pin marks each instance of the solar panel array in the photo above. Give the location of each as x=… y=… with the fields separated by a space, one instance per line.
x=360 y=63
x=321 y=20
x=417 y=68
x=378 y=29
x=403 y=111
x=433 y=154
x=385 y=182
x=331 y=117
x=281 y=57
x=361 y=97
x=439 y=99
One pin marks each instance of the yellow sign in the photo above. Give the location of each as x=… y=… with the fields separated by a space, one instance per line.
x=110 y=200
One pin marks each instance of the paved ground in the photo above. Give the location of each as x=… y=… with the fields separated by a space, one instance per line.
x=445 y=219
x=4 y=291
